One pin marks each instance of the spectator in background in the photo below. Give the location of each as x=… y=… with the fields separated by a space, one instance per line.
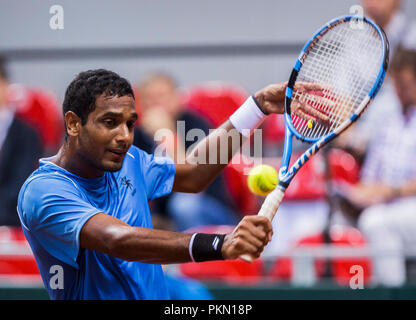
x=162 y=108
x=388 y=14
x=20 y=148
x=387 y=191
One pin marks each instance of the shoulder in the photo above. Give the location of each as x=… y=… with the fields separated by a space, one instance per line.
x=135 y=157
x=144 y=159
x=44 y=189
x=48 y=180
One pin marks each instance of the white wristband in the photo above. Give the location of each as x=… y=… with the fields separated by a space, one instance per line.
x=248 y=117
x=191 y=243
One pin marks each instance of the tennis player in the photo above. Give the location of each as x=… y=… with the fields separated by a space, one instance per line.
x=85 y=210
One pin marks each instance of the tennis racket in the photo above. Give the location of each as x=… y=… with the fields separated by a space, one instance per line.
x=348 y=58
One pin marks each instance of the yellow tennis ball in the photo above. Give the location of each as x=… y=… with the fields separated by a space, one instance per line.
x=262 y=179
x=310 y=124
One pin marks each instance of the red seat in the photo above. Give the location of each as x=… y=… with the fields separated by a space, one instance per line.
x=216 y=101
x=235 y=271
x=341 y=267
x=274 y=129
x=39 y=108
x=344 y=167
x=16 y=258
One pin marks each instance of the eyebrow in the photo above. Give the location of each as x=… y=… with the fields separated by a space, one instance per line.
x=118 y=115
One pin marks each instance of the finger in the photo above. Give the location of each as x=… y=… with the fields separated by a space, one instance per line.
x=264 y=222
x=314 y=112
x=309 y=86
x=305 y=116
x=244 y=247
x=317 y=106
x=260 y=234
x=256 y=231
x=248 y=235
x=255 y=235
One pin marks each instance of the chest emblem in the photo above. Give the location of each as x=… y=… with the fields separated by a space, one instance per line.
x=127 y=183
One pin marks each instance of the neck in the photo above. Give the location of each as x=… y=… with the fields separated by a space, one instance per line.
x=71 y=160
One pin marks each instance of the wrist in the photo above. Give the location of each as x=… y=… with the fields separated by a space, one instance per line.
x=258 y=98
x=206 y=247
x=248 y=117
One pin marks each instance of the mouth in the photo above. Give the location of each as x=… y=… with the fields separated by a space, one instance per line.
x=117 y=154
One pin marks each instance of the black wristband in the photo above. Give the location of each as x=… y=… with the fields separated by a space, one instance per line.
x=206 y=247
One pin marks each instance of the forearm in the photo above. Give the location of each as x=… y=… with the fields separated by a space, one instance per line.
x=109 y=235
x=209 y=157
x=152 y=246
x=405 y=190
x=114 y=237
x=166 y=247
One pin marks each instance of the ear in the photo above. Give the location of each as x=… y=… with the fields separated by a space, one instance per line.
x=72 y=123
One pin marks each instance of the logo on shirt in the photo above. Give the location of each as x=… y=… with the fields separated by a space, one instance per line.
x=126 y=182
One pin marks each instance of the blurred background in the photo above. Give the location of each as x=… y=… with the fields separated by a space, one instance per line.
x=343 y=231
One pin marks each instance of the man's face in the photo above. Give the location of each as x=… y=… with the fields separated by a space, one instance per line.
x=380 y=10
x=108 y=133
x=160 y=94
x=405 y=84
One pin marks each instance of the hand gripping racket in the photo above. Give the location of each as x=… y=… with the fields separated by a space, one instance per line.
x=348 y=58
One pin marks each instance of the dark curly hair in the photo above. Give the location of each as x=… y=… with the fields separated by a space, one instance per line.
x=81 y=94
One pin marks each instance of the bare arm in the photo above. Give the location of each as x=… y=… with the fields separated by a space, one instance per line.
x=407 y=189
x=369 y=194
x=214 y=152
x=112 y=236
x=207 y=159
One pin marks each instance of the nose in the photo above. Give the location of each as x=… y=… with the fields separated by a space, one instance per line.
x=123 y=135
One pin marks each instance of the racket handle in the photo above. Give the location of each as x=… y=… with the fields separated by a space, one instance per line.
x=268 y=209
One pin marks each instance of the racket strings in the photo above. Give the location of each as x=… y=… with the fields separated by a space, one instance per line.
x=346 y=62
x=343 y=106
x=361 y=88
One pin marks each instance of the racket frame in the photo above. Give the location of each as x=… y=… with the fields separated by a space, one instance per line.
x=286 y=176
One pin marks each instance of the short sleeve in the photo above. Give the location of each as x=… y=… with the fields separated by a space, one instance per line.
x=158 y=173
x=54 y=212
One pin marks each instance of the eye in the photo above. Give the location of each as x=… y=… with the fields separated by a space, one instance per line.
x=110 y=122
x=130 y=124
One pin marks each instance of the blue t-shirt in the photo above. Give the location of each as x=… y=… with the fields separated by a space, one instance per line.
x=53 y=206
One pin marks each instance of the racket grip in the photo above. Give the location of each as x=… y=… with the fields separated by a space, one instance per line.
x=268 y=209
